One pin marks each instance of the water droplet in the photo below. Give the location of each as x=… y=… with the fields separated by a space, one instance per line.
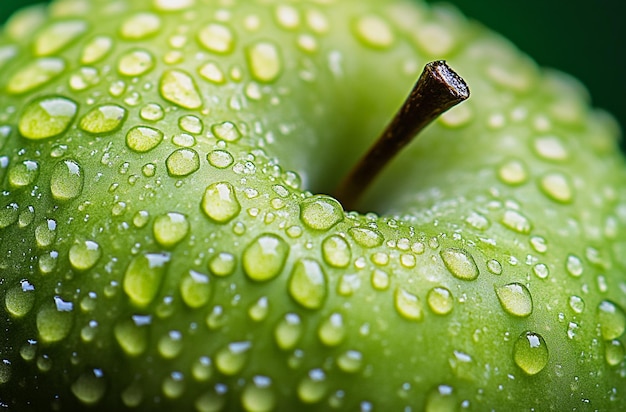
x=169 y=229
x=373 y=31
x=513 y=172
x=83 y=78
x=380 y=280
x=47 y=117
x=45 y=233
x=217 y=38
x=195 y=289
x=287 y=16
x=227 y=131
x=135 y=63
x=28 y=351
x=320 y=212
x=66 y=180
x=90 y=387
x=460 y=263
x=350 y=361
x=140 y=26
x=220 y=203
x=169 y=6
x=232 y=358
x=515 y=299
x=264 y=61
x=48 y=262
x=173 y=385
x=222 y=264
x=23 y=174
x=550 y=148
x=143 y=276
x=557 y=187
x=408 y=305
x=152 y=112
x=54 y=321
x=530 y=353
x=35 y=74
x=614 y=352
x=264 y=258
x=171 y=344
x=574 y=265
x=332 y=330
x=19 y=300
x=259 y=310
x=441 y=399
x=182 y=162
x=142 y=139
x=103 y=119
x=312 y=388
x=539 y=244
x=288 y=331
x=307 y=284
x=541 y=270
x=57 y=36
x=132 y=334
x=477 y=221
x=258 y=395
x=494 y=267
x=84 y=255
x=190 y=124
x=516 y=221
x=178 y=87
x=336 y=251
x=96 y=49
x=440 y=300
x=368 y=238
x=213 y=400
x=220 y=159
x=612 y=320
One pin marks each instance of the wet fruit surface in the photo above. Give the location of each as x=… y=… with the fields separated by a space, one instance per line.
x=163 y=243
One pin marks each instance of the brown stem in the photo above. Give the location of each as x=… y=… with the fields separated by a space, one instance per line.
x=438 y=89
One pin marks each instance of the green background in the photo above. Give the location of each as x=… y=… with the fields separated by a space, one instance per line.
x=582 y=37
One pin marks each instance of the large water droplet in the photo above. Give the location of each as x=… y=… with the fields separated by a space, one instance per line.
x=515 y=299
x=143 y=276
x=350 y=361
x=19 y=300
x=440 y=300
x=530 y=353
x=47 y=117
x=135 y=63
x=67 y=180
x=264 y=258
x=336 y=251
x=140 y=25
x=408 y=305
x=557 y=187
x=216 y=38
x=90 y=387
x=288 y=331
x=182 y=162
x=614 y=352
x=195 y=289
x=307 y=284
x=132 y=334
x=220 y=203
x=142 y=139
x=171 y=344
x=460 y=263
x=84 y=255
x=380 y=279
x=332 y=330
x=54 y=321
x=577 y=304
x=58 y=35
x=368 y=238
x=23 y=174
x=178 y=87
x=103 y=119
x=258 y=395
x=264 y=61
x=169 y=229
x=35 y=74
x=227 y=131
x=211 y=72
x=222 y=264
x=612 y=320
x=312 y=388
x=320 y=212
x=232 y=358
x=220 y=159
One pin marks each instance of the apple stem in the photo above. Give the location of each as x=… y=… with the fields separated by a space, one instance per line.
x=438 y=89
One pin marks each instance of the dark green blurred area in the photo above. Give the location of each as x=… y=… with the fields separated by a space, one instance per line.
x=581 y=37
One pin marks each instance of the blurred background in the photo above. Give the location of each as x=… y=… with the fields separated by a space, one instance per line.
x=584 y=38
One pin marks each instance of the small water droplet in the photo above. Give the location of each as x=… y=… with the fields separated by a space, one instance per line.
x=178 y=87
x=96 y=49
x=222 y=264
x=217 y=38
x=135 y=63
x=132 y=334
x=90 y=387
x=612 y=320
x=220 y=159
x=170 y=229
x=143 y=276
x=516 y=221
x=288 y=331
x=494 y=267
x=350 y=361
x=408 y=305
x=574 y=265
x=202 y=369
x=171 y=344
x=142 y=139
x=259 y=310
x=84 y=255
x=231 y=359
x=103 y=119
x=368 y=238
x=460 y=263
x=140 y=26
x=35 y=74
x=320 y=212
x=264 y=61
x=287 y=16
x=477 y=221
x=227 y=131
x=313 y=387
x=48 y=262
x=264 y=258
x=614 y=352
x=219 y=202
x=380 y=280
x=550 y=148
x=173 y=385
x=152 y=112
x=515 y=299
x=307 y=284
x=66 y=180
x=513 y=172
x=440 y=300
x=23 y=174
x=541 y=270
x=336 y=251
x=374 y=32
x=530 y=353
x=182 y=162
x=191 y=124
x=47 y=117
x=19 y=300
x=539 y=244
x=195 y=289
x=557 y=187
x=54 y=321
x=211 y=71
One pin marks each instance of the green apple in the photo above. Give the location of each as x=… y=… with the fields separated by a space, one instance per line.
x=168 y=238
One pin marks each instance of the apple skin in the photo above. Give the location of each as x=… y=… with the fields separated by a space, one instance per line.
x=151 y=260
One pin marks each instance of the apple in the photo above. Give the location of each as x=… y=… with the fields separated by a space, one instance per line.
x=175 y=233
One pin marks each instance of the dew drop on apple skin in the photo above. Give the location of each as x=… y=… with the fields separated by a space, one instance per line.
x=35 y=74
x=151 y=112
x=530 y=353
x=350 y=361
x=380 y=280
x=574 y=266
x=517 y=222
x=313 y=387
x=373 y=31
x=259 y=310
x=213 y=399
x=54 y=321
x=84 y=255
x=143 y=139
x=258 y=395
x=460 y=263
x=232 y=358
x=47 y=117
x=170 y=345
x=48 y=262
x=612 y=320
x=170 y=229
x=23 y=174
x=336 y=251
x=332 y=330
x=132 y=395
x=441 y=399
x=614 y=352
x=216 y=38
x=288 y=331
x=132 y=334
x=182 y=162
x=19 y=300
x=143 y=277
x=307 y=284
x=219 y=202
x=513 y=172
x=135 y=63
x=264 y=258
x=408 y=305
x=139 y=26
x=90 y=387
x=320 y=212
x=202 y=369
x=515 y=299
x=557 y=187
x=541 y=270
x=179 y=88
x=440 y=300
x=222 y=264
x=103 y=119
x=195 y=289
x=28 y=351
x=367 y=238
x=173 y=385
